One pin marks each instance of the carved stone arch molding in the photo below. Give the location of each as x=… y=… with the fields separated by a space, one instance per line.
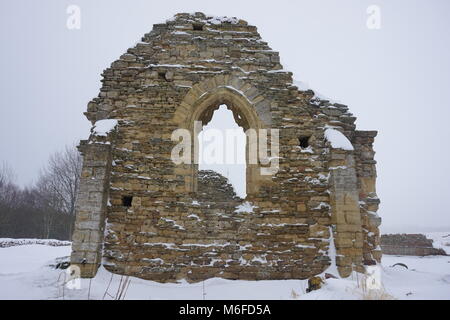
x=237 y=94
x=250 y=111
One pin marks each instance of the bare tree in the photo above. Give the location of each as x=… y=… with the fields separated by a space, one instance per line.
x=6 y=173
x=9 y=195
x=46 y=209
x=8 y=190
x=58 y=185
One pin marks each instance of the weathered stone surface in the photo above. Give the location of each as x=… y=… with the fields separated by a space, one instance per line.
x=162 y=224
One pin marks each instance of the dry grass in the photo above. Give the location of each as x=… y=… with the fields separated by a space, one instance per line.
x=294 y=295
x=367 y=293
x=376 y=294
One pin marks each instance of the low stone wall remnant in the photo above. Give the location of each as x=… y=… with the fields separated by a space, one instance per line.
x=409 y=245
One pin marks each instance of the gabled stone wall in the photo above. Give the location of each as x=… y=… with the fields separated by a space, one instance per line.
x=158 y=225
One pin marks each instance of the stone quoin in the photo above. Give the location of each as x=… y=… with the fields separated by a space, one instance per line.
x=140 y=214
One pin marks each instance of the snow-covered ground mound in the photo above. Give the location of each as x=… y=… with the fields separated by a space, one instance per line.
x=10 y=242
x=28 y=272
x=441 y=240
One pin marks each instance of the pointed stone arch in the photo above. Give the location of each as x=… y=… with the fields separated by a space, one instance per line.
x=224 y=88
x=250 y=110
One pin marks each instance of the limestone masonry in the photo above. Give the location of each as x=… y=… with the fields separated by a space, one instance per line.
x=409 y=245
x=140 y=214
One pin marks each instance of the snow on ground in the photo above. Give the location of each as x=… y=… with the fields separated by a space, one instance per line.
x=25 y=273
x=440 y=240
x=426 y=277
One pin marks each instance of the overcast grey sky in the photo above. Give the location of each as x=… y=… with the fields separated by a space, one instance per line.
x=395 y=80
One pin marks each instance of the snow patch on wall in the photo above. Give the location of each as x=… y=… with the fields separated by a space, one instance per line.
x=220 y=20
x=245 y=207
x=304 y=86
x=103 y=127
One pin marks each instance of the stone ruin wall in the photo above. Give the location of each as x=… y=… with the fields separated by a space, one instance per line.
x=182 y=71
x=409 y=245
